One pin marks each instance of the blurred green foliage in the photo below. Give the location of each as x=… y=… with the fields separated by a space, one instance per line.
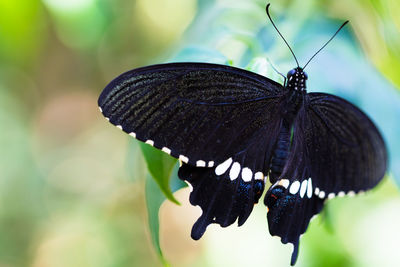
x=72 y=187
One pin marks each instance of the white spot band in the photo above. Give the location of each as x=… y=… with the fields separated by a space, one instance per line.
x=235 y=170
x=294 y=188
x=223 y=167
x=184 y=158
x=200 y=163
x=247 y=174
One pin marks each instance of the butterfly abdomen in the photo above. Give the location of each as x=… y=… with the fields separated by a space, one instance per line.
x=280 y=153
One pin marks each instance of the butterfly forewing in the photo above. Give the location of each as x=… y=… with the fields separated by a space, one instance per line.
x=201 y=113
x=345 y=149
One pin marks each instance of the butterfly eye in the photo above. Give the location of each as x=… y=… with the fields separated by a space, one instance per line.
x=291 y=72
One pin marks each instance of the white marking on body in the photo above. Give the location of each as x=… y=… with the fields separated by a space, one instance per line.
x=259 y=176
x=150 y=142
x=235 y=170
x=133 y=134
x=341 y=194
x=309 y=188
x=119 y=127
x=200 y=163
x=351 y=193
x=331 y=195
x=294 y=187
x=211 y=164
x=100 y=110
x=223 y=167
x=284 y=182
x=166 y=150
x=321 y=194
x=316 y=191
x=183 y=158
x=247 y=174
x=303 y=188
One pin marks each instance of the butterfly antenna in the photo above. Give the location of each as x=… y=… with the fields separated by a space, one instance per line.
x=273 y=24
x=273 y=67
x=326 y=43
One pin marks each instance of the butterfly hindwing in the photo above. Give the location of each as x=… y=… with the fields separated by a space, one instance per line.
x=228 y=192
x=335 y=150
x=289 y=214
x=197 y=112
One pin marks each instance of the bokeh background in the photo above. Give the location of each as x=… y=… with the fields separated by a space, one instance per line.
x=72 y=187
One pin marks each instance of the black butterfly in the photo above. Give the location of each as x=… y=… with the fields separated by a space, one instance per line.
x=231 y=128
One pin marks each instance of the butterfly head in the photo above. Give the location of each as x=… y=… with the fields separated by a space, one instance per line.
x=296 y=79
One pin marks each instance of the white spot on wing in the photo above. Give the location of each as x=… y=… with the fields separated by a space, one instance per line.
x=150 y=142
x=284 y=182
x=351 y=193
x=133 y=134
x=108 y=119
x=331 y=195
x=200 y=163
x=321 y=194
x=259 y=176
x=309 y=188
x=223 y=167
x=166 y=150
x=119 y=127
x=235 y=170
x=183 y=158
x=211 y=164
x=316 y=191
x=341 y=194
x=294 y=188
x=189 y=185
x=247 y=174
x=100 y=110
x=303 y=188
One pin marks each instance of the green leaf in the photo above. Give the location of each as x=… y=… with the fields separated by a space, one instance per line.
x=326 y=217
x=160 y=166
x=154 y=198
